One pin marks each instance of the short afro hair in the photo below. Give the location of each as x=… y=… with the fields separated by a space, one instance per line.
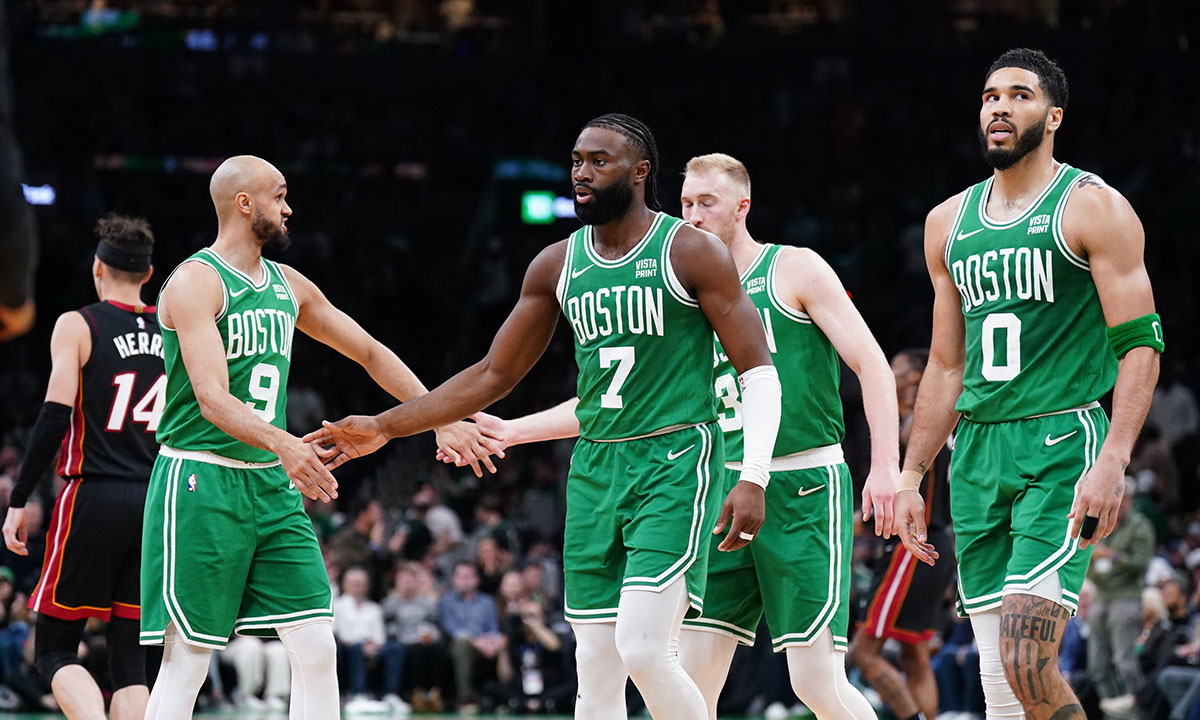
x=1053 y=79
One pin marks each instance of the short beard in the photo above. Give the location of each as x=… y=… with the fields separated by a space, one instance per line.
x=607 y=204
x=1027 y=142
x=268 y=234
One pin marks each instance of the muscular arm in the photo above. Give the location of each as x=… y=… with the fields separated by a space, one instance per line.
x=191 y=301
x=70 y=347
x=934 y=415
x=806 y=279
x=1100 y=222
x=517 y=346
x=707 y=271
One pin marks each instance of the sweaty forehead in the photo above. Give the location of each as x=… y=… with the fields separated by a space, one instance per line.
x=1009 y=76
x=595 y=139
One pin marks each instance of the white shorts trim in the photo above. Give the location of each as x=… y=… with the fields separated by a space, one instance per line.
x=205 y=456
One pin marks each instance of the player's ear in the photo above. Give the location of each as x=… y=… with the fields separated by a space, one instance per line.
x=1054 y=118
x=243 y=202
x=97 y=267
x=149 y=274
x=743 y=208
x=641 y=170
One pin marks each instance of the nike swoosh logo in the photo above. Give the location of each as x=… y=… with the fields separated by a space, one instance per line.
x=575 y=274
x=239 y=292
x=1057 y=440
x=673 y=455
x=802 y=492
x=964 y=236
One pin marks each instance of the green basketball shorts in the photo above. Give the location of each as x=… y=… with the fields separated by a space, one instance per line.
x=797 y=569
x=639 y=513
x=1011 y=487
x=226 y=546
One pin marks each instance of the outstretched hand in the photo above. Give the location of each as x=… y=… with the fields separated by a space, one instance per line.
x=464 y=443
x=351 y=437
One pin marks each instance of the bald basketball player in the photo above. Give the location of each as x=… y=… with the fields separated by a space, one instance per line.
x=228 y=546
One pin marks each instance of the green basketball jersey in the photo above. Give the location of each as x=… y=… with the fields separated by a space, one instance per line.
x=257 y=323
x=641 y=342
x=808 y=366
x=1035 y=333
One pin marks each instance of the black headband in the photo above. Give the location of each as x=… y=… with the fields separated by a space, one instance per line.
x=119 y=259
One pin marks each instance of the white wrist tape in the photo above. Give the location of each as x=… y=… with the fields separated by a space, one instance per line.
x=762 y=397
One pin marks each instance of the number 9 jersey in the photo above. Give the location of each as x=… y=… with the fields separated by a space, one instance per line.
x=257 y=323
x=1035 y=331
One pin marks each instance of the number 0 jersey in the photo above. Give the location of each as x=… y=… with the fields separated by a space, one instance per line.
x=120 y=397
x=256 y=323
x=643 y=345
x=1036 y=337
x=808 y=366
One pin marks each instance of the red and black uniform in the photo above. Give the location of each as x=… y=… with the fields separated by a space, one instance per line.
x=906 y=598
x=93 y=541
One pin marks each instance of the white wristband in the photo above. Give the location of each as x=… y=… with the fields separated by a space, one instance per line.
x=762 y=399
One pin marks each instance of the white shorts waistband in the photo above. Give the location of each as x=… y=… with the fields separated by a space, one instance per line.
x=1090 y=406
x=803 y=460
x=205 y=456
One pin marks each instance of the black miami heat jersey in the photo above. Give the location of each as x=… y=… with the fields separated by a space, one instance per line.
x=122 y=389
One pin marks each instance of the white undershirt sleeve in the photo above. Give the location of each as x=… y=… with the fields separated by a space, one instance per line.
x=762 y=399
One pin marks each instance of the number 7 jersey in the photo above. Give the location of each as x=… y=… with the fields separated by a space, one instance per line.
x=643 y=345
x=257 y=322
x=1036 y=337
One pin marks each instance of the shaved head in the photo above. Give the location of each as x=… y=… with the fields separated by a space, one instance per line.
x=241 y=173
x=249 y=189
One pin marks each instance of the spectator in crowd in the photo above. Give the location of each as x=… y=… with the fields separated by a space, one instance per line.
x=261 y=666
x=1118 y=570
x=444 y=527
x=490 y=562
x=468 y=618
x=1175 y=597
x=530 y=669
x=410 y=620
x=490 y=522
x=360 y=542
x=358 y=628
x=1173 y=409
x=1154 y=467
x=1162 y=648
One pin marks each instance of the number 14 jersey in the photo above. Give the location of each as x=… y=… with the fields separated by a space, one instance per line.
x=1036 y=337
x=257 y=322
x=643 y=345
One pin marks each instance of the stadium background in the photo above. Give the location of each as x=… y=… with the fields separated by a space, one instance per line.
x=410 y=131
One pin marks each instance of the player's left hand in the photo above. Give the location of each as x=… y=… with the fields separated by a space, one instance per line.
x=1099 y=496
x=747 y=505
x=352 y=436
x=14 y=531
x=879 y=498
x=464 y=443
